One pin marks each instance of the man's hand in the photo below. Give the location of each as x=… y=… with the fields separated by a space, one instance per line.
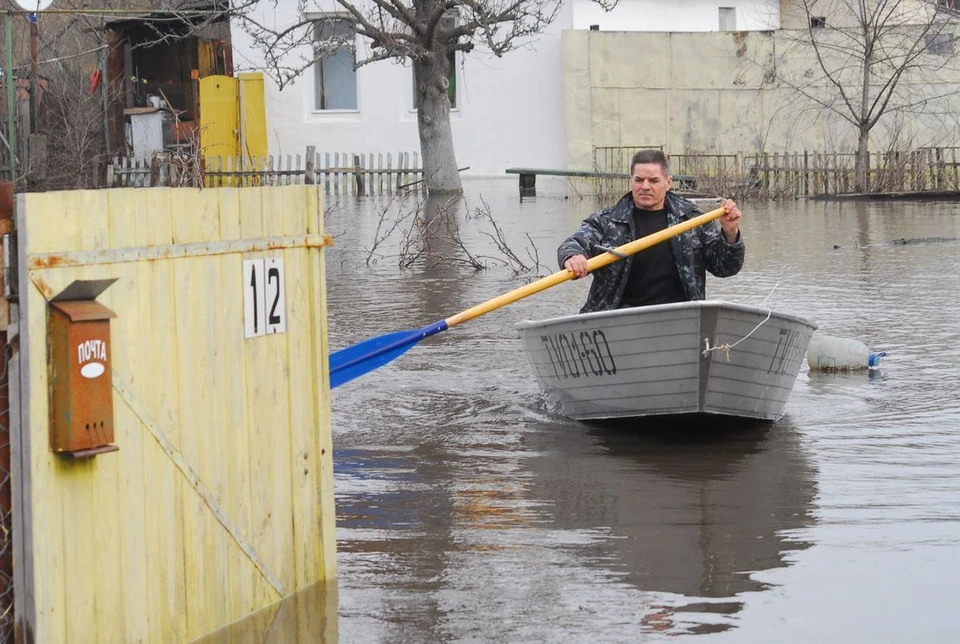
x=577 y=264
x=730 y=222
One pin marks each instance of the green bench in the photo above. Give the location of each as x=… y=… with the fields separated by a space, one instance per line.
x=528 y=178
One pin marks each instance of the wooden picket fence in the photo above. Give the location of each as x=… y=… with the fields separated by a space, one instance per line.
x=803 y=174
x=339 y=173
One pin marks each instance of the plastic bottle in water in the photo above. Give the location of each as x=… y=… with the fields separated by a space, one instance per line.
x=827 y=353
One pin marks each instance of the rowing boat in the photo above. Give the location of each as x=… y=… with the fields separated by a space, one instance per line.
x=707 y=357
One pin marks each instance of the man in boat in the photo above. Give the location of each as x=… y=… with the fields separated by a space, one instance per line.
x=673 y=271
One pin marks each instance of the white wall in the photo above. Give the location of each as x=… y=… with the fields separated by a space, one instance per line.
x=674 y=15
x=510 y=110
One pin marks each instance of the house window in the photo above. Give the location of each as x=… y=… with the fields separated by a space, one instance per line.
x=728 y=18
x=940 y=44
x=335 y=74
x=818 y=22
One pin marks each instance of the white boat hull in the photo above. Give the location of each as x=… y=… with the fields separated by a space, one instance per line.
x=702 y=357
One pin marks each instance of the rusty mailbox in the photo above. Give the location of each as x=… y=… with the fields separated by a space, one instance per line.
x=81 y=387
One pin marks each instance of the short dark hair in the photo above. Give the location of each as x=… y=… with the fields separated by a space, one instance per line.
x=650 y=156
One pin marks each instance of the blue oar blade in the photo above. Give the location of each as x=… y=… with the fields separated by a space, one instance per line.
x=358 y=359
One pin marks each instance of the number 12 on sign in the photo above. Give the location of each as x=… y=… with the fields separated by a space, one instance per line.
x=264 y=303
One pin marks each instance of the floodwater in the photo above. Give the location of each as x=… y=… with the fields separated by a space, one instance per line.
x=468 y=510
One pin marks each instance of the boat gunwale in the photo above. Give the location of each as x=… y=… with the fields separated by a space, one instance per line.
x=656 y=308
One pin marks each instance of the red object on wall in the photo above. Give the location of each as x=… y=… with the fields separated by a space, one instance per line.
x=94 y=81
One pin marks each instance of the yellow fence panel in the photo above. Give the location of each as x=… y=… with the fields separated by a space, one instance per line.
x=253 y=117
x=210 y=510
x=233 y=124
x=219 y=116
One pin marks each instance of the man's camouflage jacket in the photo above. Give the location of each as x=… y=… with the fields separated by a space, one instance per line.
x=702 y=249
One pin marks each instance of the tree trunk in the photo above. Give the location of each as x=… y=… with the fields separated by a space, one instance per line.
x=863 y=162
x=863 y=122
x=433 y=119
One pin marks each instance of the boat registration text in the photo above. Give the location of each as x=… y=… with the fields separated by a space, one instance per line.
x=579 y=354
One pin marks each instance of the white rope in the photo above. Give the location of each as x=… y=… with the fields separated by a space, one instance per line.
x=764 y=300
x=727 y=347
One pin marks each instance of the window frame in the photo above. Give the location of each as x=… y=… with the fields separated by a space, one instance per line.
x=940 y=44
x=317 y=20
x=720 y=19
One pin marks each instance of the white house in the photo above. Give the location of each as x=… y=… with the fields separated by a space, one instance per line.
x=508 y=111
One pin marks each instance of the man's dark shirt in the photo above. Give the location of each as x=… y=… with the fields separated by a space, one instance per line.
x=653 y=277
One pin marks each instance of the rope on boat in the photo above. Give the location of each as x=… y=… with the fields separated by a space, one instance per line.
x=727 y=347
x=764 y=300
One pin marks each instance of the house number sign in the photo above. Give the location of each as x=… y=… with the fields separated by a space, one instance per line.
x=264 y=303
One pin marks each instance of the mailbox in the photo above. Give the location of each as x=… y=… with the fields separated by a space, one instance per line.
x=79 y=361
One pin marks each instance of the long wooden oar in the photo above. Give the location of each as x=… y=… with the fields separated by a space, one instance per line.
x=353 y=361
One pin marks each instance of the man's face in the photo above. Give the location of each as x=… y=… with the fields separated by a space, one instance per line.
x=649 y=184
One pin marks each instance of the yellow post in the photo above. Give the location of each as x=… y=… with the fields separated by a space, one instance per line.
x=219 y=120
x=253 y=117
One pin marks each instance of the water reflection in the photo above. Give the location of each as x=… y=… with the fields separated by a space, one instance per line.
x=690 y=513
x=307 y=616
x=468 y=512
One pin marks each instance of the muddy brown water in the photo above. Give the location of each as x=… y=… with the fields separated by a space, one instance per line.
x=469 y=510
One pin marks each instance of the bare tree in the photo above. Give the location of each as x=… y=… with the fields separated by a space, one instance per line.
x=872 y=59
x=425 y=32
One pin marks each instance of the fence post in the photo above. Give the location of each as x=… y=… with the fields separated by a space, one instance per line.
x=766 y=173
x=938 y=159
x=358 y=174
x=389 y=172
x=310 y=177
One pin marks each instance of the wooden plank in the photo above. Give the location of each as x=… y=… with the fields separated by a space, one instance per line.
x=47 y=494
x=416 y=173
x=323 y=470
x=309 y=176
x=207 y=584
x=125 y=298
x=326 y=173
x=92 y=513
x=247 y=586
x=172 y=251
x=389 y=174
x=380 y=173
x=358 y=175
x=262 y=409
x=302 y=464
x=159 y=391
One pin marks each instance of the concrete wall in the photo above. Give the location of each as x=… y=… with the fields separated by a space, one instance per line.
x=842 y=13
x=710 y=93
